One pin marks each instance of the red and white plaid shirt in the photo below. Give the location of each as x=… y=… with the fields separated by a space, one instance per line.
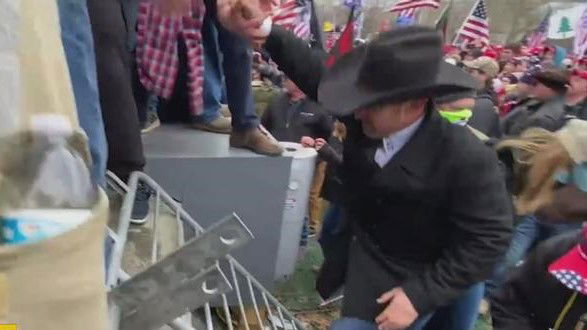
x=157 y=55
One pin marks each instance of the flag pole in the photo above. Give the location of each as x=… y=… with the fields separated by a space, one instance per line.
x=443 y=12
x=444 y=19
x=462 y=25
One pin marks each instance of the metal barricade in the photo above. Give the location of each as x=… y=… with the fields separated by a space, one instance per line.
x=227 y=295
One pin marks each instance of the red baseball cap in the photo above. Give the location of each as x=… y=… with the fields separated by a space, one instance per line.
x=490 y=53
x=571 y=269
x=537 y=50
x=449 y=48
x=579 y=73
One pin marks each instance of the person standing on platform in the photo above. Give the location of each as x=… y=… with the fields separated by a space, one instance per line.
x=235 y=65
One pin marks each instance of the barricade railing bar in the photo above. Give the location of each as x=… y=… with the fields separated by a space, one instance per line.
x=248 y=305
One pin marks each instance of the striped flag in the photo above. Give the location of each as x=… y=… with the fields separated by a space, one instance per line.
x=476 y=26
x=580 y=45
x=295 y=15
x=538 y=36
x=344 y=44
x=407 y=8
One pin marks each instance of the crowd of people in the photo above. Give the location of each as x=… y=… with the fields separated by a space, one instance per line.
x=445 y=167
x=419 y=234
x=515 y=75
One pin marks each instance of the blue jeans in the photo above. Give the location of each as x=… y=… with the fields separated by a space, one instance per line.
x=347 y=323
x=236 y=65
x=528 y=233
x=461 y=314
x=152 y=103
x=305 y=233
x=78 y=43
x=330 y=224
x=212 y=72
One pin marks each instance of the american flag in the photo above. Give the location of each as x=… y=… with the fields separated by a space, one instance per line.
x=295 y=15
x=538 y=36
x=407 y=8
x=476 y=26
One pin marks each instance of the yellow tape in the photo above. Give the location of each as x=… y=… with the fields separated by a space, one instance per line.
x=8 y=327
x=4 y=303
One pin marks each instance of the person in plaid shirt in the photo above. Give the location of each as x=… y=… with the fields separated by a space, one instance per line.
x=157 y=57
x=236 y=65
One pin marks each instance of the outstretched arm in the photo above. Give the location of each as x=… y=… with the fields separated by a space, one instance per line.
x=293 y=56
x=300 y=63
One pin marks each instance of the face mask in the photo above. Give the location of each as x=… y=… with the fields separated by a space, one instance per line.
x=457 y=117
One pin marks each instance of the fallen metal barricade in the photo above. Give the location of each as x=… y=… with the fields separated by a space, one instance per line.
x=198 y=268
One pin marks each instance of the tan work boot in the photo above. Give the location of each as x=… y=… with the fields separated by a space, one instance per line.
x=220 y=125
x=253 y=139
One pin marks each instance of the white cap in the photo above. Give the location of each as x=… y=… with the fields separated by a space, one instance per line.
x=574 y=138
x=450 y=60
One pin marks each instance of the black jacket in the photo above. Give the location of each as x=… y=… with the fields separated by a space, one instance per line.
x=433 y=221
x=578 y=110
x=289 y=121
x=332 y=154
x=549 y=115
x=266 y=71
x=532 y=298
x=485 y=117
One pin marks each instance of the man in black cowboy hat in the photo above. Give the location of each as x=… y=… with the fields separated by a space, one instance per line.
x=428 y=210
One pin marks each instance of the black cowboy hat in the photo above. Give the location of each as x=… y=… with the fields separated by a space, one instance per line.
x=399 y=65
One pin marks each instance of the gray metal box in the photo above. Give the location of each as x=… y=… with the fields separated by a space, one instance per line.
x=212 y=180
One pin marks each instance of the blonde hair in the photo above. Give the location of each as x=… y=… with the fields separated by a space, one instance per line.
x=539 y=155
x=339 y=130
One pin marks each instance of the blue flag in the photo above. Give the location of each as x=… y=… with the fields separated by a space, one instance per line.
x=405 y=21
